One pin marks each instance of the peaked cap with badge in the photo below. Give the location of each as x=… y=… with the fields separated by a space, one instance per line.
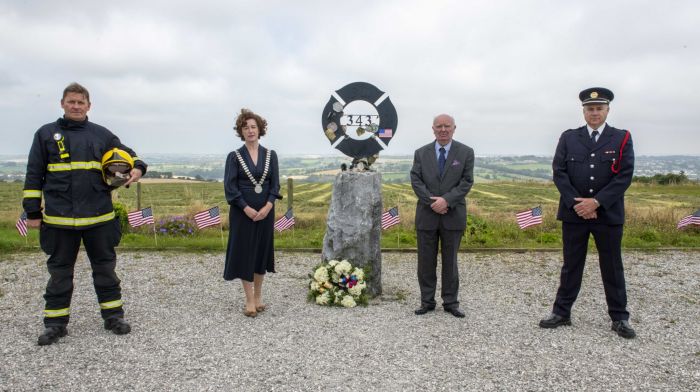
x=596 y=95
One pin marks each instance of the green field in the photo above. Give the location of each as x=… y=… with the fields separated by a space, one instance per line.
x=652 y=214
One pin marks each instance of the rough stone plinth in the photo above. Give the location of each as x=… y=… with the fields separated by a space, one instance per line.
x=353 y=228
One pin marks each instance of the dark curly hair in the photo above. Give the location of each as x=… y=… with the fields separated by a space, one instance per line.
x=246 y=115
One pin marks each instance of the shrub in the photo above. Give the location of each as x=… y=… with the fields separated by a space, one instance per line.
x=549 y=238
x=175 y=226
x=121 y=214
x=649 y=235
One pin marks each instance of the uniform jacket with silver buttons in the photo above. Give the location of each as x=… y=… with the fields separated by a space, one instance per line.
x=68 y=175
x=582 y=168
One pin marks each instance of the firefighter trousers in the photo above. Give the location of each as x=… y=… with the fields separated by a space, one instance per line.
x=62 y=246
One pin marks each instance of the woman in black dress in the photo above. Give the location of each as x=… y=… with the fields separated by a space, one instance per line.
x=251 y=184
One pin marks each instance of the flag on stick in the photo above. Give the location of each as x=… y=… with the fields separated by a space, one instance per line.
x=21 y=224
x=529 y=218
x=141 y=217
x=693 y=219
x=285 y=222
x=207 y=218
x=390 y=217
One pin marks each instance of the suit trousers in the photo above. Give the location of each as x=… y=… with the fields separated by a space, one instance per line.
x=428 y=241
x=608 y=240
x=63 y=245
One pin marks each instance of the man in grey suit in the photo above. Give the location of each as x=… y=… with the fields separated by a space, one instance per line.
x=441 y=176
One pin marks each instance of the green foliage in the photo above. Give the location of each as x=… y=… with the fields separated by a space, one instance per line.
x=649 y=235
x=175 y=226
x=663 y=179
x=652 y=214
x=550 y=238
x=121 y=214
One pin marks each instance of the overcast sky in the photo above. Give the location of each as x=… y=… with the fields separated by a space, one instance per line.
x=170 y=76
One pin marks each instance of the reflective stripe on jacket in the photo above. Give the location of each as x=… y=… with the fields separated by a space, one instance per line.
x=64 y=167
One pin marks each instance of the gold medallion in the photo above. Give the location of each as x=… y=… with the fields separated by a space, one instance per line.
x=594 y=94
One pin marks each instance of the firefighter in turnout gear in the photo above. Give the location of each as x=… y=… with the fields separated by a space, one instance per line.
x=65 y=169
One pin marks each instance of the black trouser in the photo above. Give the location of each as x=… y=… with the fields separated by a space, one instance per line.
x=427 y=264
x=62 y=246
x=608 y=240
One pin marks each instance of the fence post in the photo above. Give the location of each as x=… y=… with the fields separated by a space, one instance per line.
x=138 y=195
x=290 y=192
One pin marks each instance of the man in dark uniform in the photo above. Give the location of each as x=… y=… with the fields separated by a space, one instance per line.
x=593 y=168
x=64 y=167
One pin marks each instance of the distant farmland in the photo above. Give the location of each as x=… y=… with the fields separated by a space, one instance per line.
x=652 y=212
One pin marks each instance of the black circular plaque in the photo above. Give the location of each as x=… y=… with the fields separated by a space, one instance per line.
x=359 y=135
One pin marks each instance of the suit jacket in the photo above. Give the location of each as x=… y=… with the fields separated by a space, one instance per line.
x=583 y=169
x=453 y=186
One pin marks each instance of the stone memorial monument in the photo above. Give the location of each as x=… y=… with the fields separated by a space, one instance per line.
x=359 y=120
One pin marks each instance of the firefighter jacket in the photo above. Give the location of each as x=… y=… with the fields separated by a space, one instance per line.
x=64 y=167
x=600 y=170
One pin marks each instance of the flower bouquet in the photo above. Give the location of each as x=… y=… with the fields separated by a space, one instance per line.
x=338 y=283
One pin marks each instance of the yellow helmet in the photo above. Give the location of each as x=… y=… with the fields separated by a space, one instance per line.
x=116 y=166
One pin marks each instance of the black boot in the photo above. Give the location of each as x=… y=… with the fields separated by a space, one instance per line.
x=51 y=335
x=117 y=325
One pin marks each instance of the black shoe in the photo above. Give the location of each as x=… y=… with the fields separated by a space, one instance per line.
x=554 y=320
x=117 y=325
x=423 y=310
x=51 y=335
x=622 y=327
x=455 y=312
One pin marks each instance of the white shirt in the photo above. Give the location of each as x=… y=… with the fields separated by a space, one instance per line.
x=600 y=131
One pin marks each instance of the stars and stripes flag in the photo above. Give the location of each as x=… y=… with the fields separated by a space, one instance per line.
x=285 y=222
x=529 y=218
x=390 y=218
x=385 y=132
x=141 y=217
x=207 y=218
x=21 y=224
x=693 y=219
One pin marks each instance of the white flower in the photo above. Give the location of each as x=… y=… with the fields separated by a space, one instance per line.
x=335 y=277
x=314 y=286
x=348 y=301
x=323 y=298
x=332 y=263
x=359 y=273
x=355 y=290
x=321 y=274
x=343 y=267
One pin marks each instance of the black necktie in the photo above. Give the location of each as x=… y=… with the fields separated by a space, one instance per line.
x=441 y=160
x=593 y=136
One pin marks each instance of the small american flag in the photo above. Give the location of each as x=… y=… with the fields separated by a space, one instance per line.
x=21 y=224
x=529 y=218
x=689 y=220
x=141 y=217
x=207 y=218
x=285 y=222
x=385 y=132
x=390 y=218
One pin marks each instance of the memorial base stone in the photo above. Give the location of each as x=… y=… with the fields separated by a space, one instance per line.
x=353 y=230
